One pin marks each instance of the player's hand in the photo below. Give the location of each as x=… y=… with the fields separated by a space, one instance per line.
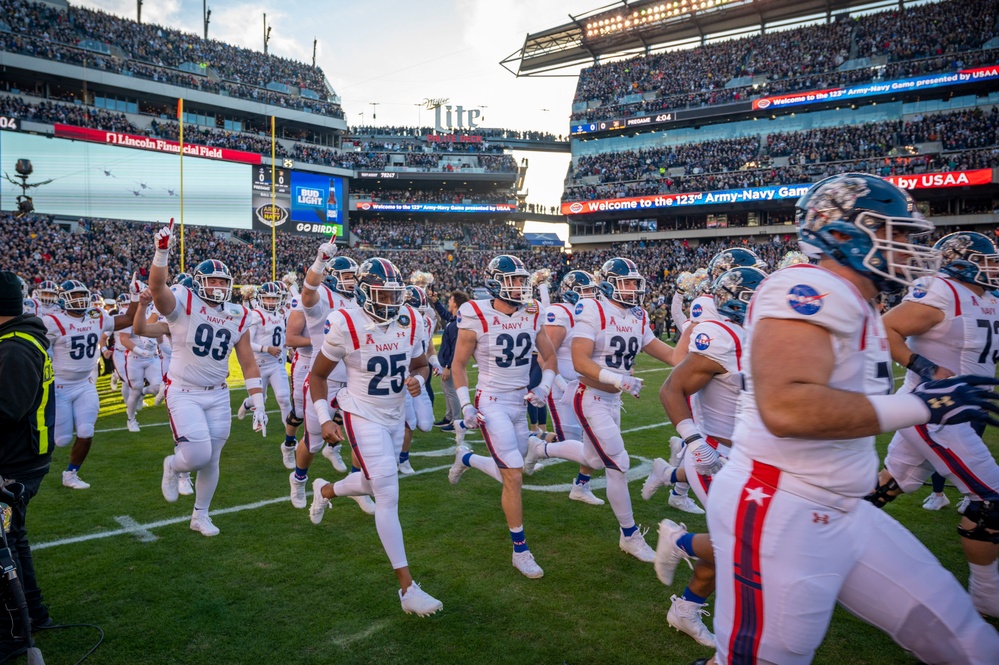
x=705 y=458
x=472 y=417
x=413 y=386
x=107 y=353
x=445 y=374
x=164 y=237
x=632 y=385
x=538 y=396
x=140 y=353
x=145 y=297
x=274 y=350
x=332 y=432
x=327 y=250
x=960 y=399
x=260 y=421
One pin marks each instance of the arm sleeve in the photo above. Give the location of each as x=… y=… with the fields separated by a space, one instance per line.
x=587 y=320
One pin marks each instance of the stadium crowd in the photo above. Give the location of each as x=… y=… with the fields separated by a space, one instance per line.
x=156 y=52
x=916 y=40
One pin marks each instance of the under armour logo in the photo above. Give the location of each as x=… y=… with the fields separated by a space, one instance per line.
x=938 y=402
x=820 y=518
x=493 y=399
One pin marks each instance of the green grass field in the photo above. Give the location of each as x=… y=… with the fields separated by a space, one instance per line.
x=275 y=588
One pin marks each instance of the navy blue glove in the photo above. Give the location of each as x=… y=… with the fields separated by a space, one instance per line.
x=960 y=399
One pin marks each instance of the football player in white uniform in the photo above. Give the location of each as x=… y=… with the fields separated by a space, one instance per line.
x=380 y=347
x=267 y=341
x=143 y=366
x=44 y=298
x=559 y=322
x=952 y=326
x=606 y=338
x=327 y=282
x=205 y=328
x=297 y=338
x=419 y=409
x=791 y=531
x=500 y=334
x=74 y=334
x=707 y=380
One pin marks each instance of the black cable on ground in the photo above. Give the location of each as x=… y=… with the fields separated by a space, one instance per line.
x=63 y=626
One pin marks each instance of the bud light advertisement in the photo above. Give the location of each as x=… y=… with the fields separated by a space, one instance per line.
x=317 y=203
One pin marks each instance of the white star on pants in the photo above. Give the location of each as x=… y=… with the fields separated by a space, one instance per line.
x=756 y=494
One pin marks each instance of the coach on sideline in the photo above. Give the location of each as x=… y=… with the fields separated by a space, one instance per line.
x=27 y=411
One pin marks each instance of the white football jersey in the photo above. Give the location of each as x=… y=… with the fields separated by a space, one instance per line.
x=203 y=337
x=967 y=340
x=618 y=334
x=267 y=329
x=317 y=315
x=560 y=315
x=377 y=361
x=862 y=365
x=504 y=344
x=75 y=342
x=703 y=309
x=715 y=404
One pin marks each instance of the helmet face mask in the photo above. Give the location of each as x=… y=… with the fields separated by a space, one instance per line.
x=622 y=282
x=508 y=281
x=46 y=293
x=74 y=296
x=869 y=225
x=969 y=257
x=213 y=282
x=380 y=291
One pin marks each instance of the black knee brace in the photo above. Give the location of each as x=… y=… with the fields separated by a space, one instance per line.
x=985 y=515
x=881 y=496
x=294 y=420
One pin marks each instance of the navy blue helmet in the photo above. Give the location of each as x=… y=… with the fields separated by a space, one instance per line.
x=615 y=274
x=733 y=289
x=507 y=280
x=969 y=257
x=341 y=275
x=381 y=291
x=74 y=296
x=271 y=297
x=416 y=298
x=578 y=284
x=211 y=268
x=734 y=257
x=867 y=224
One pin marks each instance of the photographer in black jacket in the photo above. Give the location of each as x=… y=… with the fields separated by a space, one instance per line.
x=27 y=411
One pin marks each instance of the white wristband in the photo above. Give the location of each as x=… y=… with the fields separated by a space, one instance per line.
x=463 y=398
x=610 y=378
x=322 y=411
x=256 y=348
x=422 y=381
x=134 y=297
x=897 y=412
x=687 y=428
x=318 y=266
x=254 y=382
x=161 y=258
x=547 y=378
x=433 y=360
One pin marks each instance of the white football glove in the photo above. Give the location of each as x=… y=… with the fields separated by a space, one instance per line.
x=435 y=365
x=472 y=417
x=260 y=422
x=539 y=396
x=631 y=385
x=164 y=237
x=706 y=459
x=140 y=353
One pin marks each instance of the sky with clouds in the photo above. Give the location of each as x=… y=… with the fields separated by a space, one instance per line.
x=396 y=54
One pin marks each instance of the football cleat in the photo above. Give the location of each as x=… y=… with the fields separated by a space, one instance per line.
x=685 y=503
x=406 y=469
x=525 y=563
x=668 y=554
x=366 y=503
x=458 y=468
x=582 y=492
x=202 y=523
x=535 y=451
x=133 y=425
x=685 y=616
x=168 y=485
x=419 y=602
x=297 y=491
x=658 y=478
x=319 y=504
x=115 y=380
x=332 y=453
x=288 y=456
x=961 y=507
x=936 y=501
x=636 y=546
x=71 y=480
x=184 y=485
